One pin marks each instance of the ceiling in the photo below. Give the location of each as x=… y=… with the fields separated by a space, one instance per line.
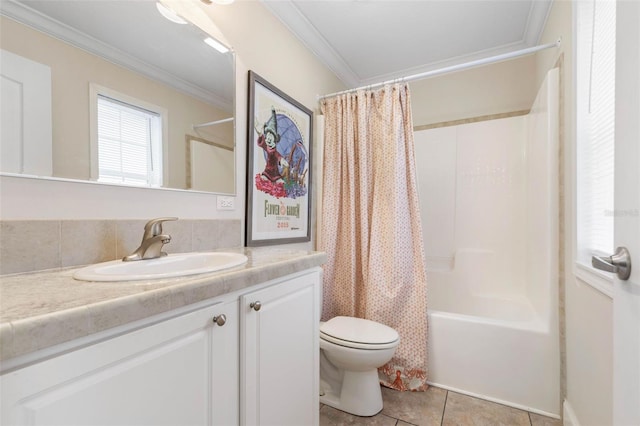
x=368 y=41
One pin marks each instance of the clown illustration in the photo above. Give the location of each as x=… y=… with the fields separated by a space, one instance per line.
x=285 y=156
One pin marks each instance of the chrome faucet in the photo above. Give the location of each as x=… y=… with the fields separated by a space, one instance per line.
x=152 y=241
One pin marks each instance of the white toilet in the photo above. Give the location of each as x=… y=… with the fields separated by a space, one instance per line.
x=351 y=350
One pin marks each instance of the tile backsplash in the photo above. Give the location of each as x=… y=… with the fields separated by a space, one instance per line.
x=34 y=245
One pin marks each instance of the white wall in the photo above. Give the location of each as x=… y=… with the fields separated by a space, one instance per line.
x=262 y=44
x=472 y=196
x=588 y=312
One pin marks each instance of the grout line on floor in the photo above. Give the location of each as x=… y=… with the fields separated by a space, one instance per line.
x=444 y=407
x=384 y=415
x=530 y=421
x=492 y=402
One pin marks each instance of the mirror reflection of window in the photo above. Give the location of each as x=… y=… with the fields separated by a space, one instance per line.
x=127 y=137
x=129 y=144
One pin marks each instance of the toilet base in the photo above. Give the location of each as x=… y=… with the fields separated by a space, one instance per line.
x=360 y=394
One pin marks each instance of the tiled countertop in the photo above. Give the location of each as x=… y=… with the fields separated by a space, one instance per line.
x=42 y=309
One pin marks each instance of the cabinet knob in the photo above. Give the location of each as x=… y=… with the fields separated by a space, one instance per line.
x=255 y=305
x=220 y=319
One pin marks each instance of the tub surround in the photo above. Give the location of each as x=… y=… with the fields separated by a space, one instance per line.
x=39 y=310
x=493 y=274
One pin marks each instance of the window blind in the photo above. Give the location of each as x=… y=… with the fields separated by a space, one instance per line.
x=128 y=143
x=596 y=46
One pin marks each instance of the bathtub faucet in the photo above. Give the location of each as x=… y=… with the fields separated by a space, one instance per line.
x=152 y=241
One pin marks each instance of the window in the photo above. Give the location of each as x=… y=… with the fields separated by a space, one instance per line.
x=595 y=85
x=128 y=140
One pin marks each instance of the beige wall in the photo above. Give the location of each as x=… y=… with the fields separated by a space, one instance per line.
x=73 y=70
x=264 y=45
x=588 y=312
x=491 y=89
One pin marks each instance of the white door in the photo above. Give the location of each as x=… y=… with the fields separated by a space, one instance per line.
x=25 y=126
x=626 y=297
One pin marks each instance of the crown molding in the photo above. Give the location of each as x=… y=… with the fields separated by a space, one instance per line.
x=538 y=14
x=293 y=19
x=456 y=60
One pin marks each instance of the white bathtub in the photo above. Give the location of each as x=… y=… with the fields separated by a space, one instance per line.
x=503 y=352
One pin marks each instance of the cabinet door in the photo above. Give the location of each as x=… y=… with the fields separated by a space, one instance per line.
x=279 y=368
x=162 y=374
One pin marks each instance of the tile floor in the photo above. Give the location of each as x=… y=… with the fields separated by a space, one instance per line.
x=436 y=407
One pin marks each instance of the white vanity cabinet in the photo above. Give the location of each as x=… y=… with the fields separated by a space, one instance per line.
x=186 y=367
x=181 y=371
x=280 y=353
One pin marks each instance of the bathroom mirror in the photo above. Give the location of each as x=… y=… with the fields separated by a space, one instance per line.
x=115 y=92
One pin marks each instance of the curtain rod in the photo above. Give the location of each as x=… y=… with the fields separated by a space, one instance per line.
x=452 y=68
x=212 y=123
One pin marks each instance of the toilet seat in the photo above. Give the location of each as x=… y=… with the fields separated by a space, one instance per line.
x=358 y=333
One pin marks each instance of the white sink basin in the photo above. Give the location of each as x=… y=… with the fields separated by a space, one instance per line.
x=172 y=265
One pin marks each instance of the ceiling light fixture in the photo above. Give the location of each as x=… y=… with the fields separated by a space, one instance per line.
x=169 y=14
x=216 y=45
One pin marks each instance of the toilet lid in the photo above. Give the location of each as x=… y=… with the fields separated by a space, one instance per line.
x=359 y=330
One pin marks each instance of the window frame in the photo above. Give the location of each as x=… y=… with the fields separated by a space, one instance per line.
x=96 y=91
x=583 y=270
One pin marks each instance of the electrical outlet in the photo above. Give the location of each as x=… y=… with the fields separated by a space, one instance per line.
x=226 y=203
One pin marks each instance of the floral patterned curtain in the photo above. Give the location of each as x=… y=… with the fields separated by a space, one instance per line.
x=371 y=227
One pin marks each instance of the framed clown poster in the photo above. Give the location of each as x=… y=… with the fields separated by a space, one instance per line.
x=278 y=167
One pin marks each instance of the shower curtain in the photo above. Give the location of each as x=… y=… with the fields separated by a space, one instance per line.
x=371 y=227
